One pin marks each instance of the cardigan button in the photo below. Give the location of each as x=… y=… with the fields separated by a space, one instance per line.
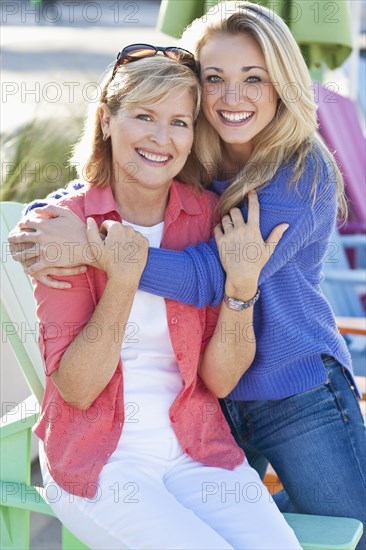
x=174 y=320
x=180 y=356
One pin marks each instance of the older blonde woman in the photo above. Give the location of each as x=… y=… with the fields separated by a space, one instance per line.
x=136 y=452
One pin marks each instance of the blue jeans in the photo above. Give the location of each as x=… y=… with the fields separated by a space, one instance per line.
x=316 y=442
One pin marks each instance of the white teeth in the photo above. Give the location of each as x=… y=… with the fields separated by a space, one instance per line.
x=235 y=117
x=151 y=156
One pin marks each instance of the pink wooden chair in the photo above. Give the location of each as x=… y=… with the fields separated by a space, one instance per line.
x=340 y=128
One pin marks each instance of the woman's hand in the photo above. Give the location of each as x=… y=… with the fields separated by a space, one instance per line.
x=122 y=254
x=48 y=240
x=243 y=253
x=45 y=228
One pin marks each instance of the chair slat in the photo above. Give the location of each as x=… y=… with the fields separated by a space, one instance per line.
x=19 y=320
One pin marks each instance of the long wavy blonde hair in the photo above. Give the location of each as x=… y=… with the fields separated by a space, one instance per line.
x=292 y=132
x=149 y=81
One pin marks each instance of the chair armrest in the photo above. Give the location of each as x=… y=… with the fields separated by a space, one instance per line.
x=356 y=244
x=353 y=241
x=351 y=325
x=24 y=497
x=317 y=532
x=20 y=417
x=351 y=276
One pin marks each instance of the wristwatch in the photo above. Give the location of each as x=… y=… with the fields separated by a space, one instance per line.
x=239 y=305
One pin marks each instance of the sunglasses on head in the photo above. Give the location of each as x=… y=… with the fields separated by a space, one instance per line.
x=134 y=52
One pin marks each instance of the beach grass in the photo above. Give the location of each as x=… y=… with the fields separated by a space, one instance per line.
x=35 y=158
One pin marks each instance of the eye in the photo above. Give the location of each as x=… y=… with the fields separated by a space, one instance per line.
x=179 y=122
x=144 y=116
x=213 y=78
x=253 y=79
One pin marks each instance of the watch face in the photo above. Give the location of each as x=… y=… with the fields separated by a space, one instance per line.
x=239 y=305
x=232 y=303
x=235 y=304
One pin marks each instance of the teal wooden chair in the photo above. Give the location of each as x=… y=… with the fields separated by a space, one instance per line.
x=18 y=497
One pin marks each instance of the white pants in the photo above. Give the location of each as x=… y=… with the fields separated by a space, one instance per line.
x=152 y=495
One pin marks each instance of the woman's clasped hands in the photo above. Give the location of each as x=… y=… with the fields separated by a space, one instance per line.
x=114 y=248
x=118 y=250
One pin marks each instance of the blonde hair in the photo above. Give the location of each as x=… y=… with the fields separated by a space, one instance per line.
x=150 y=81
x=292 y=132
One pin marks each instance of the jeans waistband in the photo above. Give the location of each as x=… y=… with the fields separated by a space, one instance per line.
x=328 y=360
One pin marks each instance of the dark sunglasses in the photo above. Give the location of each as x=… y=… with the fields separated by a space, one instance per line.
x=134 y=52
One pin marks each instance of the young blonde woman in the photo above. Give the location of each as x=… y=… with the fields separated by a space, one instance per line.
x=297 y=405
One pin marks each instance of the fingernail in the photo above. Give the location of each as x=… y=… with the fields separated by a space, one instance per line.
x=83 y=268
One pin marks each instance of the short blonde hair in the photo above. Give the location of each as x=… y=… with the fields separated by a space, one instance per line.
x=292 y=132
x=150 y=81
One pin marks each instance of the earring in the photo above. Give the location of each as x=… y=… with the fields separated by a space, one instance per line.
x=105 y=137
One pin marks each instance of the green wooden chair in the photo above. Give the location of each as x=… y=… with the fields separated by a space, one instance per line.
x=19 y=324
x=18 y=497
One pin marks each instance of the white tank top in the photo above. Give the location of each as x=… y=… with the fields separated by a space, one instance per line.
x=151 y=374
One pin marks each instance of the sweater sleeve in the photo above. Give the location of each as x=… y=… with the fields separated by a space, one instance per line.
x=54 y=196
x=311 y=224
x=290 y=245
x=195 y=275
x=191 y=276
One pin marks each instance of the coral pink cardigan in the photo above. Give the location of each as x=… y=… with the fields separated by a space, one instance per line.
x=79 y=442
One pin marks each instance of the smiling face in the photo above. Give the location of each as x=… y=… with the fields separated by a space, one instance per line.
x=150 y=143
x=239 y=100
